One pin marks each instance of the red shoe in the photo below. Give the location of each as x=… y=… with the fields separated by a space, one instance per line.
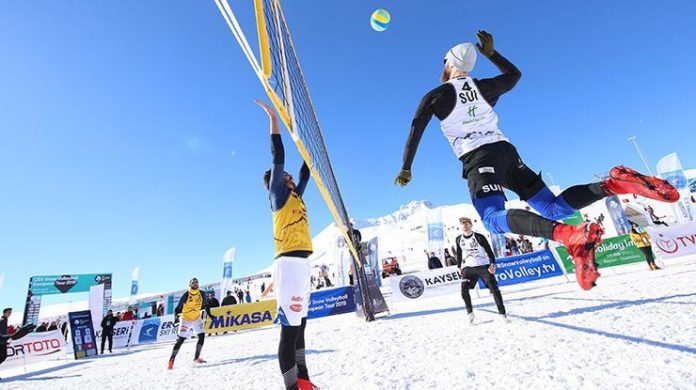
x=581 y=242
x=304 y=384
x=199 y=361
x=585 y=267
x=623 y=180
x=170 y=366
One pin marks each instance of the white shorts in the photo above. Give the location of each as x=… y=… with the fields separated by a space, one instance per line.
x=292 y=287
x=185 y=327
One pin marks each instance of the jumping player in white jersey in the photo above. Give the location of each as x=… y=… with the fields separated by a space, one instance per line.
x=464 y=106
x=476 y=260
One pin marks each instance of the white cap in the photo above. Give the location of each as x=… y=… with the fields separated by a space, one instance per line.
x=462 y=56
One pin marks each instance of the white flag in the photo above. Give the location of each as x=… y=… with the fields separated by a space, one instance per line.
x=134 y=285
x=670 y=169
x=227 y=261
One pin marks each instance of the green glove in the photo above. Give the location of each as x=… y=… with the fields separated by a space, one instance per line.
x=403 y=177
x=485 y=44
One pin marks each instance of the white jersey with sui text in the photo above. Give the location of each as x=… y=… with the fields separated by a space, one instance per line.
x=473 y=254
x=472 y=122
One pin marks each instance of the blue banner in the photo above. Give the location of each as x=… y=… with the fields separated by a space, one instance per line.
x=83 y=336
x=618 y=217
x=525 y=268
x=148 y=331
x=373 y=259
x=325 y=303
x=134 y=288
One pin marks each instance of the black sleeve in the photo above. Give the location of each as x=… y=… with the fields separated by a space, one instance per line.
x=279 y=192
x=303 y=179
x=103 y=324
x=493 y=88
x=180 y=305
x=3 y=327
x=459 y=251
x=440 y=101
x=486 y=246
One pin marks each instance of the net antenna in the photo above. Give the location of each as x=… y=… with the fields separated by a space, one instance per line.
x=281 y=77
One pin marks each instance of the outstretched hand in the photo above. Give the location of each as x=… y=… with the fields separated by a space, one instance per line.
x=271 y=115
x=485 y=45
x=403 y=177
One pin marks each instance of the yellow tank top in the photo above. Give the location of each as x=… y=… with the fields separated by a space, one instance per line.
x=291 y=227
x=192 y=306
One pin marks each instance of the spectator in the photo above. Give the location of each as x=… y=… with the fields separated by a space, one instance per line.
x=119 y=316
x=434 y=262
x=4 y=336
x=449 y=259
x=54 y=326
x=64 y=330
x=642 y=240
x=128 y=315
x=248 y=297
x=263 y=287
x=350 y=274
x=324 y=273
x=107 y=326
x=229 y=299
x=212 y=301
x=42 y=327
x=240 y=294
x=160 y=310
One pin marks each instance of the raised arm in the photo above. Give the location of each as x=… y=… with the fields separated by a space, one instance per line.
x=493 y=88
x=278 y=190
x=303 y=179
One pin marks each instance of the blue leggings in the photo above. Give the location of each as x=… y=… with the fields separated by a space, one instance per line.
x=496 y=218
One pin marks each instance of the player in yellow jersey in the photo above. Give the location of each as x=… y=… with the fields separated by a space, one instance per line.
x=291 y=273
x=188 y=314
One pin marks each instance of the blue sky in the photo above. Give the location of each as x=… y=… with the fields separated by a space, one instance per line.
x=128 y=135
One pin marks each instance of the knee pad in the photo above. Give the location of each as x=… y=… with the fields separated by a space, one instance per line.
x=550 y=206
x=493 y=214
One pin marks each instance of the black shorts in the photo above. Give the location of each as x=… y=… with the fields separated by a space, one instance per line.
x=492 y=167
x=471 y=275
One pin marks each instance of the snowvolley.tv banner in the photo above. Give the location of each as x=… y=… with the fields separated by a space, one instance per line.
x=239 y=317
x=674 y=241
x=35 y=347
x=610 y=252
x=525 y=268
x=325 y=303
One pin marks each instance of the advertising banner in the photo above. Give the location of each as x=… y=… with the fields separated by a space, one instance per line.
x=525 y=268
x=83 y=337
x=436 y=233
x=610 y=252
x=325 y=303
x=426 y=284
x=154 y=330
x=134 y=285
x=373 y=259
x=122 y=331
x=227 y=260
x=676 y=241
x=35 y=347
x=669 y=168
x=62 y=284
x=239 y=317
x=618 y=217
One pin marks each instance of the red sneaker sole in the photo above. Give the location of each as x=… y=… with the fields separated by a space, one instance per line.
x=649 y=186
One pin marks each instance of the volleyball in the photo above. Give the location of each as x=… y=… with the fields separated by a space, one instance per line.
x=380 y=20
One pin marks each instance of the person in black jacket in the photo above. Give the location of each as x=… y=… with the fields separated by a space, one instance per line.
x=434 y=262
x=474 y=253
x=229 y=299
x=4 y=337
x=107 y=326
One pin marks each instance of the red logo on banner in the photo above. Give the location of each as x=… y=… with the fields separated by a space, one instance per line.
x=667 y=245
x=296 y=308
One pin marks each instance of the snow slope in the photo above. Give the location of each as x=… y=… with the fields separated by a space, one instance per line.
x=637 y=330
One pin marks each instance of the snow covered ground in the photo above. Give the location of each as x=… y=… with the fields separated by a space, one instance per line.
x=637 y=330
